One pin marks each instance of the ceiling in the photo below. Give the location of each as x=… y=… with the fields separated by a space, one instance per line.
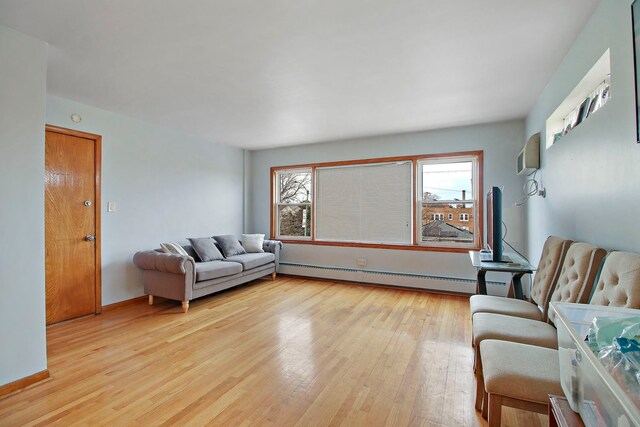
x=259 y=74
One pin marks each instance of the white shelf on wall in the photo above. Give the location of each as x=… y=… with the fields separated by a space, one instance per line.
x=592 y=85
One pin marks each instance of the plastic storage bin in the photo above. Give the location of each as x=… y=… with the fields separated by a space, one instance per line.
x=588 y=386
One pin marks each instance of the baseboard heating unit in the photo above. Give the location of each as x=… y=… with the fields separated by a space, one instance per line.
x=409 y=280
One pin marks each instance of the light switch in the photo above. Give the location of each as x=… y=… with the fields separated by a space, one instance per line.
x=111 y=206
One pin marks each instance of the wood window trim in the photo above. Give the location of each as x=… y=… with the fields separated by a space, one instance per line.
x=479 y=154
x=274 y=204
x=97 y=139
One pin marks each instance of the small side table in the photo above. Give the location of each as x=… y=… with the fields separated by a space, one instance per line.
x=518 y=268
x=561 y=414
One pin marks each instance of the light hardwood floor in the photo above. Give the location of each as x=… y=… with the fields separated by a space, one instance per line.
x=285 y=352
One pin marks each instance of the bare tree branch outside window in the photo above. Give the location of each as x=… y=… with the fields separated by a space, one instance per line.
x=294 y=203
x=294 y=187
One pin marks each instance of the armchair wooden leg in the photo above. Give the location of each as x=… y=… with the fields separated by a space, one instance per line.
x=476 y=358
x=479 y=391
x=273 y=276
x=185 y=306
x=485 y=404
x=495 y=410
x=150 y=299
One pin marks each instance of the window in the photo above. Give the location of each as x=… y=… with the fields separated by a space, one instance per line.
x=399 y=202
x=364 y=203
x=448 y=184
x=293 y=203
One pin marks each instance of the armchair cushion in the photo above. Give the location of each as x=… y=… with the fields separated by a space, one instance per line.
x=520 y=371
x=514 y=329
x=579 y=269
x=619 y=281
x=501 y=305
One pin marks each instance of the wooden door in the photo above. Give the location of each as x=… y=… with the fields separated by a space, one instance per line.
x=72 y=224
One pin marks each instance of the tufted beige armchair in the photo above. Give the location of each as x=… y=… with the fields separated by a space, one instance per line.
x=545 y=279
x=575 y=282
x=523 y=375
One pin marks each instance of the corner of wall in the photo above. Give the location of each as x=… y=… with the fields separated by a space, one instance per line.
x=247 y=218
x=22 y=118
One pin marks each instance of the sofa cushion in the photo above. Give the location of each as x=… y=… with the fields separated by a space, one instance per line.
x=205 y=248
x=192 y=253
x=216 y=269
x=250 y=261
x=173 y=248
x=252 y=243
x=267 y=268
x=230 y=245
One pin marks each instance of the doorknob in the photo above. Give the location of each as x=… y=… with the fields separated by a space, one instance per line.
x=90 y=238
x=87 y=203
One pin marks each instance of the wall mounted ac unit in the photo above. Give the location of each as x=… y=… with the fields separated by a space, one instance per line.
x=529 y=157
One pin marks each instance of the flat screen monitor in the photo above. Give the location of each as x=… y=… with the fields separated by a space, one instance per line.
x=494 y=224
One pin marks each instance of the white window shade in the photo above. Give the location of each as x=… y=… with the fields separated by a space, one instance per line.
x=369 y=203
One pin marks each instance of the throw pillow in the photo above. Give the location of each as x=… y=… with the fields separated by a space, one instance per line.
x=253 y=242
x=205 y=248
x=230 y=245
x=173 y=248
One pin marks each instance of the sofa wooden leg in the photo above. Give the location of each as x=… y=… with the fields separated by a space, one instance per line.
x=495 y=410
x=273 y=276
x=150 y=299
x=185 y=306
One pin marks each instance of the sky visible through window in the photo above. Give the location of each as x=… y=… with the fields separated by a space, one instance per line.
x=448 y=180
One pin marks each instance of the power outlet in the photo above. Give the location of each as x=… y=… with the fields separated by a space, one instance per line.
x=361 y=262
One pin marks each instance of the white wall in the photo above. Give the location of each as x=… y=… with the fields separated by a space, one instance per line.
x=23 y=74
x=592 y=175
x=167 y=186
x=500 y=142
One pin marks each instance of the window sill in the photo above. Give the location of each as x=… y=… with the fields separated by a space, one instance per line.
x=422 y=248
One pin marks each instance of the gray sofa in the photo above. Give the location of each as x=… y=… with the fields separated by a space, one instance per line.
x=184 y=278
